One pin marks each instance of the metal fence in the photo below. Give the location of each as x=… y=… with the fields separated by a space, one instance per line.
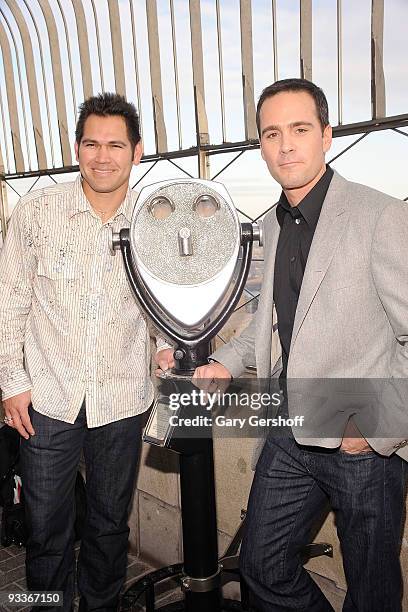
x=192 y=67
x=173 y=58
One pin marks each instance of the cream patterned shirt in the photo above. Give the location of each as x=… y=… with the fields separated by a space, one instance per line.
x=70 y=328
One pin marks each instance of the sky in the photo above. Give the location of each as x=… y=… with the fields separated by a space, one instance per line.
x=379 y=160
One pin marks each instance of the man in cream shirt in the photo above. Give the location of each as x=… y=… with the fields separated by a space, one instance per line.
x=74 y=359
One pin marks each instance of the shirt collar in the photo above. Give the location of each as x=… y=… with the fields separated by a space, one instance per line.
x=309 y=208
x=80 y=202
x=127 y=206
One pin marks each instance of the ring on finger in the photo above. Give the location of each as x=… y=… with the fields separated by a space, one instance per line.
x=8 y=420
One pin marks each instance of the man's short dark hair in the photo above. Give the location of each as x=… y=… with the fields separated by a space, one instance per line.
x=284 y=85
x=105 y=105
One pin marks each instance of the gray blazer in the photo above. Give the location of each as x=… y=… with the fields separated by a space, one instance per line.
x=351 y=320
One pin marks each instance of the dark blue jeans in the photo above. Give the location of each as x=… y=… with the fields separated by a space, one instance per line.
x=50 y=462
x=291 y=489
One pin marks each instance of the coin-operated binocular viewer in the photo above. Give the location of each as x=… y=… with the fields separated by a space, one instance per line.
x=187 y=258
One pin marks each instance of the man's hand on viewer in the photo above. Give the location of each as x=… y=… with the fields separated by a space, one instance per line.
x=212 y=377
x=164 y=360
x=16 y=408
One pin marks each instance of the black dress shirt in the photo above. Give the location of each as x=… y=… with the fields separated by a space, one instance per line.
x=298 y=226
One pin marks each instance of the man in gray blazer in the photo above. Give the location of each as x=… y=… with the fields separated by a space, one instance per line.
x=333 y=310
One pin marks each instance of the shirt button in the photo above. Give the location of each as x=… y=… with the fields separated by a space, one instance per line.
x=293 y=258
x=297 y=221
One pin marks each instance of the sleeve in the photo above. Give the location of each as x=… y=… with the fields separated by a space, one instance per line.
x=239 y=352
x=389 y=265
x=15 y=302
x=162 y=344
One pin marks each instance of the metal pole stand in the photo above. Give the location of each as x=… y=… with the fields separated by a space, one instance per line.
x=200 y=574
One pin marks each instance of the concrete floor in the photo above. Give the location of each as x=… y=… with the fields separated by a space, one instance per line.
x=12 y=578
x=12 y=573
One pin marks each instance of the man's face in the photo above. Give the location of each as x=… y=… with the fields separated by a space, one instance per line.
x=105 y=155
x=292 y=142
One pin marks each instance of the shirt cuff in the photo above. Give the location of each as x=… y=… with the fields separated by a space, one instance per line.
x=162 y=344
x=15 y=382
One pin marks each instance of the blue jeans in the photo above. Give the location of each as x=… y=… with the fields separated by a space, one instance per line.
x=292 y=488
x=50 y=462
